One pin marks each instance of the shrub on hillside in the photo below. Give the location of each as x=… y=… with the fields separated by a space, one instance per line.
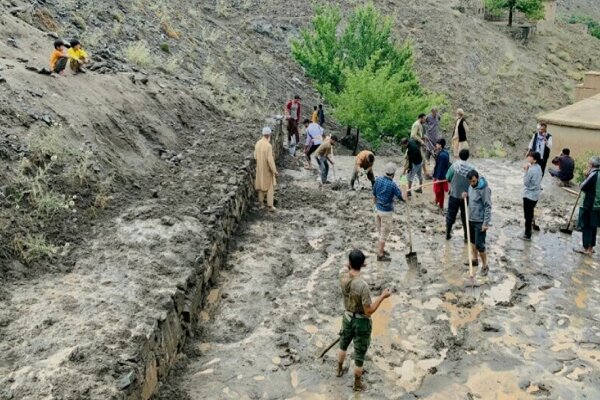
x=139 y=54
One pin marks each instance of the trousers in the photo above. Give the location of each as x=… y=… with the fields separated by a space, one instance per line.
x=454 y=205
x=528 y=211
x=269 y=194
x=324 y=167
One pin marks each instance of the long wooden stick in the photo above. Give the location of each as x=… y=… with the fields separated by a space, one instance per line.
x=425 y=184
x=469 y=246
x=329 y=347
x=571 y=191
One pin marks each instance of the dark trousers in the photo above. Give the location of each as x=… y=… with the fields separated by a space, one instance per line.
x=454 y=205
x=528 y=210
x=370 y=176
x=543 y=163
x=312 y=149
x=324 y=167
x=292 y=128
x=589 y=237
x=61 y=64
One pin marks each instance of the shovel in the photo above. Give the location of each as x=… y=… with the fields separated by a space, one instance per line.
x=411 y=256
x=336 y=341
x=566 y=228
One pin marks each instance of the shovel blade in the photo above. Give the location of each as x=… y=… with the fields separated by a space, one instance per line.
x=566 y=230
x=411 y=259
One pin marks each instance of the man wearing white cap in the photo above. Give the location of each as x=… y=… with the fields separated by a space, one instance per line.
x=384 y=192
x=266 y=171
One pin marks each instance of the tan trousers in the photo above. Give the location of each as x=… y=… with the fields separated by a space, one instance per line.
x=269 y=193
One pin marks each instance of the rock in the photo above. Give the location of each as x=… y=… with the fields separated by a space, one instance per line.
x=524 y=384
x=264 y=28
x=30 y=67
x=44 y=71
x=12 y=43
x=126 y=380
x=47 y=119
x=489 y=328
x=2 y=79
x=22 y=60
x=53 y=35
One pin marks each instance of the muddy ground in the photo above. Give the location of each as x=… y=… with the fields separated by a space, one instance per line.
x=531 y=331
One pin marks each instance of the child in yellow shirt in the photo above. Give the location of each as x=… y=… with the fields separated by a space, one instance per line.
x=315 y=115
x=77 y=57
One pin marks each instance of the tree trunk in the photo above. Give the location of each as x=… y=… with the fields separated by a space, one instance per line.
x=348 y=130
x=356 y=143
x=510 y=16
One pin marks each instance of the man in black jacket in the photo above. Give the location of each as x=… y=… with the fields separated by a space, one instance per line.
x=541 y=142
x=413 y=164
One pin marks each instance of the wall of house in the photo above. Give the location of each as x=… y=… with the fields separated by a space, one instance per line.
x=580 y=141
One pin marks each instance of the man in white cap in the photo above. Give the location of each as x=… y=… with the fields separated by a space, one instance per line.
x=384 y=192
x=266 y=171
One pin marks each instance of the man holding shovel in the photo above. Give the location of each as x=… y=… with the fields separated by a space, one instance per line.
x=356 y=322
x=384 y=192
x=480 y=216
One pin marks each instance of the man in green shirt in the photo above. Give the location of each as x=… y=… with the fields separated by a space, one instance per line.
x=356 y=322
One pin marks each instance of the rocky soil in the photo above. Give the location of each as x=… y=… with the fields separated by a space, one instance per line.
x=530 y=331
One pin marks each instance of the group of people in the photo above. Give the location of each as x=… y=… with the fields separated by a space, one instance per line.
x=465 y=188
x=74 y=56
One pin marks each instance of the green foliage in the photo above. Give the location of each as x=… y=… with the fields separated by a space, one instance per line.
x=581 y=166
x=533 y=9
x=381 y=102
x=325 y=55
x=368 y=78
x=32 y=248
x=592 y=25
x=318 y=49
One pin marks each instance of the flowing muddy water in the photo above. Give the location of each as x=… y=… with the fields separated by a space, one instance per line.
x=530 y=331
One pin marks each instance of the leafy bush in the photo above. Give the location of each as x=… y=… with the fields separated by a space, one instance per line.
x=592 y=24
x=581 y=166
x=381 y=102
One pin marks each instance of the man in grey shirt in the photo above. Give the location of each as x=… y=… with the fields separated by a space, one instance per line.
x=532 y=182
x=432 y=132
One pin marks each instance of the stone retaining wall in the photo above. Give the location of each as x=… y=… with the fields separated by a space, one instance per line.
x=158 y=352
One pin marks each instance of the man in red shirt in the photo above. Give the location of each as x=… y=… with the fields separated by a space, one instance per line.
x=292 y=114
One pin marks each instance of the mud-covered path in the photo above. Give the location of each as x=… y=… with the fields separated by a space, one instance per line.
x=532 y=331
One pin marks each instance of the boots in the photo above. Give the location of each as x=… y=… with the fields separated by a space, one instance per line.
x=359 y=386
x=448 y=232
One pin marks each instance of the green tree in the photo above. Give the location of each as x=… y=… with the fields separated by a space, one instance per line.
x=381 y=102
x=533 y=9
x=318 y=49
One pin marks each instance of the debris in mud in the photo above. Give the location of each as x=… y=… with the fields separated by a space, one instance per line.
x=486 y=327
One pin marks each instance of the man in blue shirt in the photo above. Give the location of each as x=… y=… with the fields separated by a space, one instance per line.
x=384 y=192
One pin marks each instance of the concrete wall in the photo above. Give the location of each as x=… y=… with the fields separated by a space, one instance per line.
x=158 y=350
x=590 y=86
x=580 y=141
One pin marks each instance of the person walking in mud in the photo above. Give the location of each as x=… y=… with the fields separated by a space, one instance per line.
x=292 y=114
x=459 y=184
x=356 y=321
x=323 y=154
x=384 y=192
x=314 y=138
x=589 y=209
x=413 y=163
x=266 y=170
x=442 y=164
x=532 y=182
x=480 y=216
x=432 y=133
x=365 y=161
x=416 y=134
x=459 y=137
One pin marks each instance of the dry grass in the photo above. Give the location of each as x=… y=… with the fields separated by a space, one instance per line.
x=31 y=248
x=139 y=54
x=45 y=20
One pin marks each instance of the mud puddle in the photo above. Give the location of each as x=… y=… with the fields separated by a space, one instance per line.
x=530 y=331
